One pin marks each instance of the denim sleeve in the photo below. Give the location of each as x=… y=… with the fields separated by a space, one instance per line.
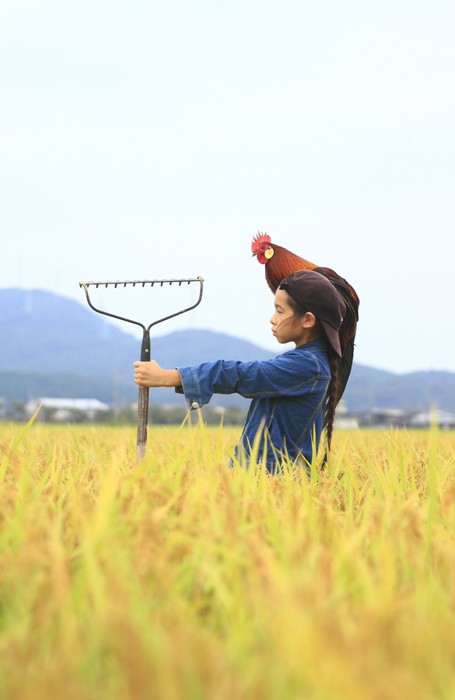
x=290 y=374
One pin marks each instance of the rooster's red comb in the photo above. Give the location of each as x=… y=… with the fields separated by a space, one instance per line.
x=258 y=239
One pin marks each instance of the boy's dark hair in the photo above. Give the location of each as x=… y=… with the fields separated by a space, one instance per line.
x=333 y=396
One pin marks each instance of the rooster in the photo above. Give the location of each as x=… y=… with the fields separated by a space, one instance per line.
x=280 y=262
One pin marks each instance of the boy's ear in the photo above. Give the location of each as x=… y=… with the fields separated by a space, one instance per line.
x=308 y=320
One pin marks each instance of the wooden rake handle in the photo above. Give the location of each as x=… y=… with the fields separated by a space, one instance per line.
x=143 y=402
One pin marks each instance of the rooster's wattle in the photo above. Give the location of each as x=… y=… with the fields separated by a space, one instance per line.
x=280 y=262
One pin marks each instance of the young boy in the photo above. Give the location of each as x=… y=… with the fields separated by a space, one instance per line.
x=293 y=395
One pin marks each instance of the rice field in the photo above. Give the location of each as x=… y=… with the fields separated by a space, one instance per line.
x=183 y=579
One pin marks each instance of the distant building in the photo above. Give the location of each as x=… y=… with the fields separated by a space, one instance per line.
x=66 y=410
x=400 y=418
x=385 y=417
x=343 y=419
x=440 y=418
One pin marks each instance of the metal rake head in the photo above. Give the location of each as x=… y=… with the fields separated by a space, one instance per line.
x=143 y=283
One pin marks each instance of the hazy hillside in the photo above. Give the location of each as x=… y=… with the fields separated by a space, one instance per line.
x=48 y=333
x=59 y=347
x=55 y=346
x=368 y=388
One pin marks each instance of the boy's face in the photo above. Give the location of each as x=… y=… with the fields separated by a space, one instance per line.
x=287 y=327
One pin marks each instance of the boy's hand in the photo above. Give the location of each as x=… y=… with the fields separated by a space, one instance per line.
x=148 y=374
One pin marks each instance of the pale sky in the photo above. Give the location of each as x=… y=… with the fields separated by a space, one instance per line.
x=146 y=140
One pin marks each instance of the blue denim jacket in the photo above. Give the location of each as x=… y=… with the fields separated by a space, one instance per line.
x=286 y=414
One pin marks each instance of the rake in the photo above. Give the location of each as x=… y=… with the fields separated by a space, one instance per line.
x=143 y=399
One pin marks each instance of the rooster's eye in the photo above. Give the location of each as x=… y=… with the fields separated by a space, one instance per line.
x=269 y=253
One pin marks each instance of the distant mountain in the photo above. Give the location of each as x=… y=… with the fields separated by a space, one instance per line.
x=55 y=346
x=368 y=388
x=49 y=334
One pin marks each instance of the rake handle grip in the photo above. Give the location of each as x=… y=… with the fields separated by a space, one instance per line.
x=143 y=402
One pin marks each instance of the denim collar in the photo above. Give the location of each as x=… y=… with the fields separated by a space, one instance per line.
x=317 y=345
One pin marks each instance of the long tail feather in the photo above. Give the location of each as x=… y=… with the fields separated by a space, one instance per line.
x=349 y=326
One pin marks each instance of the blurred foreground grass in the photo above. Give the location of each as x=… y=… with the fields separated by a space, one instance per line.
x=181 y=578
